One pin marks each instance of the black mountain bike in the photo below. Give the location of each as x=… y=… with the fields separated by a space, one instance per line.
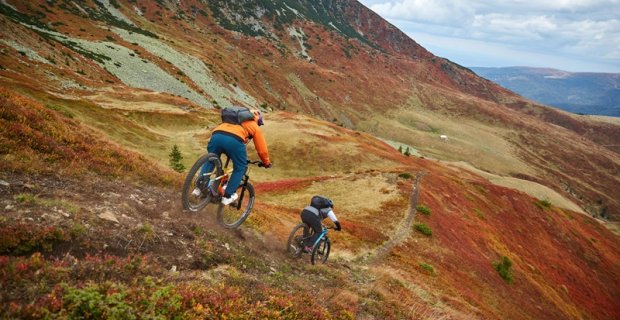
x=201 y=189
x=298 y=238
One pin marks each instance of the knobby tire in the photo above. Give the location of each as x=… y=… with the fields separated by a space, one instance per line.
x=191 y=202
x=232 y=217
x=320 y=253
x=294 y=247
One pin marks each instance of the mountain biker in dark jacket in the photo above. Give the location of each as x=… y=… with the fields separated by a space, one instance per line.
x=312 y=215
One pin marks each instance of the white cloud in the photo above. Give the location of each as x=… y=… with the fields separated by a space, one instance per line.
x=507 y=27
x=449 y=12
x=586 y=30
x=478 y=53
x=561 y=5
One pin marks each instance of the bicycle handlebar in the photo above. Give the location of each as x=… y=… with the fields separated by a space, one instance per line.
x=257 y=162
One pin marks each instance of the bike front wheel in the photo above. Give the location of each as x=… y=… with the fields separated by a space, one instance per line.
x=320 y=253
x=295 y=244
x=196 y=192
x=233 y=215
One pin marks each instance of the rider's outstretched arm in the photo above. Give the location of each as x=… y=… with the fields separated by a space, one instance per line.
x=259 y=141
x=333 y=217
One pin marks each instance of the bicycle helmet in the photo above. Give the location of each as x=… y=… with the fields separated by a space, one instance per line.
x=258 y=116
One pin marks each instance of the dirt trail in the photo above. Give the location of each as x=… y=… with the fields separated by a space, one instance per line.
x=404 y=229
x=124 y=219
x=118 y=218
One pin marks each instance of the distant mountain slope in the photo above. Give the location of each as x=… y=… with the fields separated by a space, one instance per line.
x=584 y=93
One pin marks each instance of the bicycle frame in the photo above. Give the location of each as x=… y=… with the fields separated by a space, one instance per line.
x=201 y=188
x=224 y=177
x=322 y=235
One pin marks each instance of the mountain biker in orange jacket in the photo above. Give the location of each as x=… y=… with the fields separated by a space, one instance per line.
x=231 y=139
x=312 y=215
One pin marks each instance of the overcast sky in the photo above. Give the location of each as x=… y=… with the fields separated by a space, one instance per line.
x=571 y=35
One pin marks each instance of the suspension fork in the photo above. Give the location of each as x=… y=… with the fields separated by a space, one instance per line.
x=244 y=184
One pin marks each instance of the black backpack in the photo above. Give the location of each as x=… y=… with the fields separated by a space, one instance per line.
x=236 y=115
x=321 y=202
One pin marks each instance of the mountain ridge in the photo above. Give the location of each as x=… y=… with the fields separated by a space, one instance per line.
x=594 y=93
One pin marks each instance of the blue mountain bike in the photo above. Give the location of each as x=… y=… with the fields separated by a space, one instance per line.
x=298 y=239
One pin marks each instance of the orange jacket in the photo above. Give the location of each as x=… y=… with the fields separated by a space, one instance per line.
x=246 y=130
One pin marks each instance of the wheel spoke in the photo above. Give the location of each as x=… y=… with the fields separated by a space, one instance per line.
x=294 y=245
x=196 y=193
x=233 y=215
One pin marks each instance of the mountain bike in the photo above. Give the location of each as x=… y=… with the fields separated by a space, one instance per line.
x=300 y=234
x=201 y=189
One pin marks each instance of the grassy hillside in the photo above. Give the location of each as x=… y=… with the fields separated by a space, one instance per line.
x=49 y=139
x=109 y=245
x=126 y=67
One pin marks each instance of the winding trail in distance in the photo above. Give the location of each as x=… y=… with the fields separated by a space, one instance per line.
x=404 y=229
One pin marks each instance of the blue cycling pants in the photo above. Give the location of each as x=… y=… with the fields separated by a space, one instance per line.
x=236 y=151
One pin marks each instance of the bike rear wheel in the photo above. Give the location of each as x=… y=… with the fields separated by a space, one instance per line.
x=321 y=251
x=196 y=200
x=295 y=245
x=233 y=215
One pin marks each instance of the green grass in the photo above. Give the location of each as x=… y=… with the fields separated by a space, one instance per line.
x=147 y=231
x=61 y=110
x=150 y=133
x=31 y=199
x=543 y=204
x=198 y=231
x=479 y=213
x=26 y=198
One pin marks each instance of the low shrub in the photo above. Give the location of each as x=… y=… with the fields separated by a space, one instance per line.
x=427 y=267
x=405 y=175
x=423 y=210
x=24 y=238
x=503 y=268
x=423 y=228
